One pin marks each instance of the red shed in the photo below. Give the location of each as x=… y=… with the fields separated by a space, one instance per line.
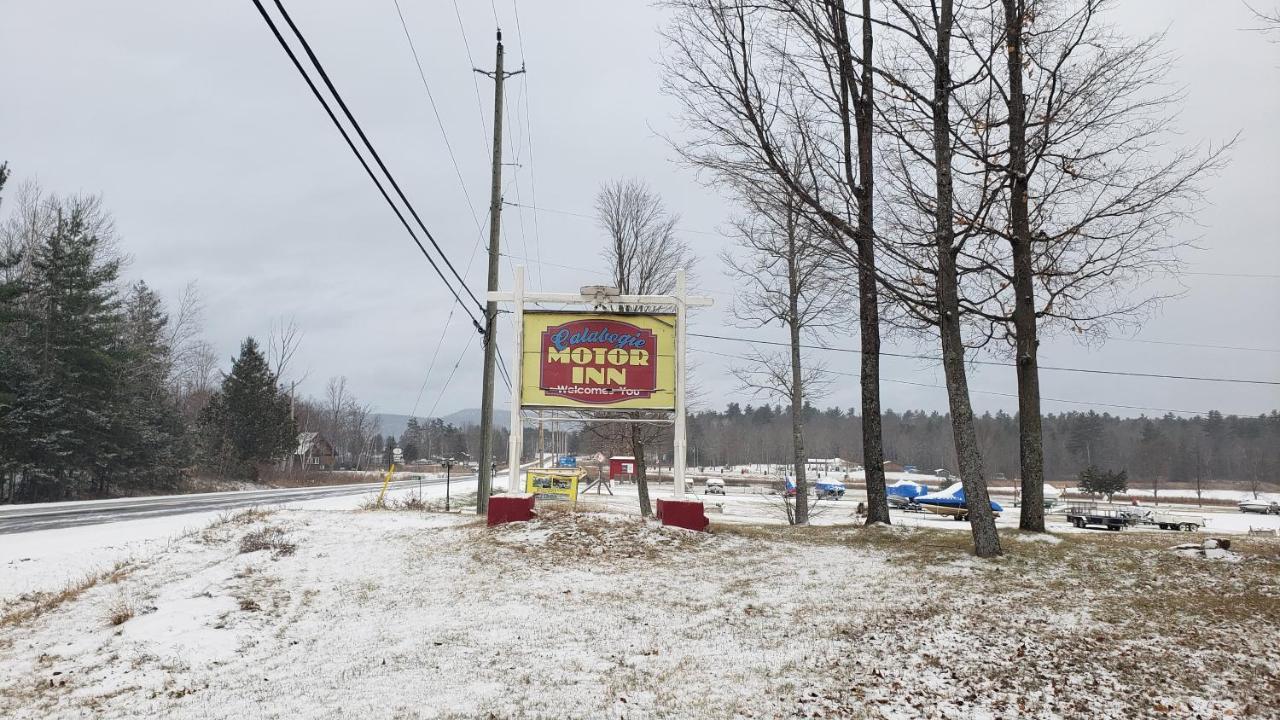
x=622 y=466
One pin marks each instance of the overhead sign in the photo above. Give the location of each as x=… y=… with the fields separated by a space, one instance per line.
x=599 y=360
x=561 y=484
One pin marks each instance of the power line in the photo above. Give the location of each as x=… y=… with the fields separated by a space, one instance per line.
x=931 y=358
x=457 y=170
x=1086 y=403
x=1120 y=339
x=502 y=370
x=363 y=163
x=512 y=136
x=1263 y=276
x=462 y=29
x=991 y=362
x=431 y=366
x=1197 y=345
x=315 y=61
x=449 y=379
x=593 y=217
x=528 y=123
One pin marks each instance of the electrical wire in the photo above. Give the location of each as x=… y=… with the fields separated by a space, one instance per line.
x=528 y=124
x=431 y=366
x=1086 y=403
x=462 y=29
x=931 y=358
x=363 y=163
x=457 y=170
x=449 y=380
x=991 y=362
x=1263 y=276
x=593 y=217
x=1197 y=345
x=315 y=61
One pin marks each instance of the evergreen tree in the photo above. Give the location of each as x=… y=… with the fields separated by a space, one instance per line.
x=148 y=426
x=15 y=368
x=247 y=421
x=72 y=327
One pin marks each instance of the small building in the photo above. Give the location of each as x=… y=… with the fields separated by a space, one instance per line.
x=622 y=466
x=825 y=465
x=891 y=466
x=314 y=452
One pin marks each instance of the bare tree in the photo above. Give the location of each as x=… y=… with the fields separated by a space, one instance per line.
x=1269 y=20
x=643 y=254
x=935 y=108
x=642 y=248
x=1091 y=197
x=783 y=279
x=769 y=87
x=282 y=345
x=183 y=339
x=35 y=214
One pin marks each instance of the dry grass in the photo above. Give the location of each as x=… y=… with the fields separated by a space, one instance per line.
x=416 y=503
x=120 y=612
x=33 y=605
x=245 y=517
x=268 y=538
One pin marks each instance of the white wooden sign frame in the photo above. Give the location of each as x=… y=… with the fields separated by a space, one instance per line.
x=680 y=300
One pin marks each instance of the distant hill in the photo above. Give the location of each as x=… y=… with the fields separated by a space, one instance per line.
x=390 y=424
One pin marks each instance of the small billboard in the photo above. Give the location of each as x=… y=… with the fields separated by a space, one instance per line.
x=598 y=360
x=553 y=483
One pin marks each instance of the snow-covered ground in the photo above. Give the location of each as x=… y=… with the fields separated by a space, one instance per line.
x=49 y=559
x=376 y=614
x=758 y=505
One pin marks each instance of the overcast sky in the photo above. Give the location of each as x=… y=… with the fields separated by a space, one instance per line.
x=220 y=167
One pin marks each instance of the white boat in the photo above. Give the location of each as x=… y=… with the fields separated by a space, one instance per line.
x=1262 y=507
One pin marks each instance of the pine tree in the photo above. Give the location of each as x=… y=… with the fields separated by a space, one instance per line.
x=72 y=329
x=247 y=421
x=147 y=424
x=15 y=369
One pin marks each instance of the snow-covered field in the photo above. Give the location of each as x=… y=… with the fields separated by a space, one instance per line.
x=380 y=614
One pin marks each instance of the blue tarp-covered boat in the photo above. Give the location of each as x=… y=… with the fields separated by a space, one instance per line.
x=949 y=502
x=903 y=492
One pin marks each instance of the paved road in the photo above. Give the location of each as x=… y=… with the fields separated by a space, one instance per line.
x=25 y=518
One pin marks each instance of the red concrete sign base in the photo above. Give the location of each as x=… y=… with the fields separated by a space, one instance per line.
x=687 y=514
x=510 y=508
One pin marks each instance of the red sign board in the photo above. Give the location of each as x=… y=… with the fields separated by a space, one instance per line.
x=598 y=361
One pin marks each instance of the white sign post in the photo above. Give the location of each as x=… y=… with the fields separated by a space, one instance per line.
x=681 y=301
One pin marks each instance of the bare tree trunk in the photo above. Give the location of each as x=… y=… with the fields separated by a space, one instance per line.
x=986 y=542
x=642 y=477
x=797 y=391
x=868 y=304
x=1030 y=434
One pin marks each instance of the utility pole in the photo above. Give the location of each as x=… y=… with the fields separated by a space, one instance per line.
x=485 y=481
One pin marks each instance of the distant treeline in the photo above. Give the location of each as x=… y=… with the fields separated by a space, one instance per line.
x=1170 y=448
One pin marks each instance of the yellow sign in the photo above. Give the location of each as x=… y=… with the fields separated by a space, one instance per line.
x=599 y=361
x=553 y=482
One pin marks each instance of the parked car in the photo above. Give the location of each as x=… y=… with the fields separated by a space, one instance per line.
x=714 y=486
